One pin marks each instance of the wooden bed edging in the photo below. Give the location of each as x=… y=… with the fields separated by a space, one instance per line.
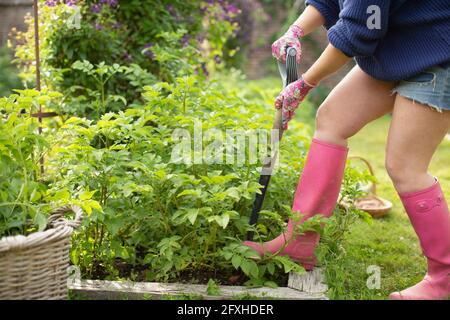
x=114 y=290
x=312 y=282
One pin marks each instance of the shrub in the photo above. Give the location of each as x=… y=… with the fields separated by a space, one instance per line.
x=162 y=39
x=26 y=193
x=23 y=206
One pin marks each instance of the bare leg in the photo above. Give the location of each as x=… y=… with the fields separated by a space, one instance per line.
x=415 y=133
x=357 y=100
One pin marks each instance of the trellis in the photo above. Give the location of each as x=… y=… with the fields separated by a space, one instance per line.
x=40 y=115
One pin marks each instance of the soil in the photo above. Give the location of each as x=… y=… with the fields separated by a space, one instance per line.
x=140 y=274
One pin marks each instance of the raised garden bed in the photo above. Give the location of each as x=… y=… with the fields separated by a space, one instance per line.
x=307 y=286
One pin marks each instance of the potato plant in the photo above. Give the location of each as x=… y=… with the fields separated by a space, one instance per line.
x=23 y=193
x=163 y=216
x=28 y=195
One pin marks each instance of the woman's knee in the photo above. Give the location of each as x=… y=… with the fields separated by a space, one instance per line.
x=327 y=127
x=396 y=169
x=405 y=176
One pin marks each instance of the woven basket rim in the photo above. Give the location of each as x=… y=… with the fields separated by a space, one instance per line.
x=57 y=229
x=384 y=204
x=35 y=239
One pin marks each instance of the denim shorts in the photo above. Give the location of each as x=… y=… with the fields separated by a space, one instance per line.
x=430 y=87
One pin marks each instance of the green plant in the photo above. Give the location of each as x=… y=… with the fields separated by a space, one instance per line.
x=101 y=74
x=23 y=203
x=155 y=39
x=26 y=147
x=212 y=289
x=164 y=214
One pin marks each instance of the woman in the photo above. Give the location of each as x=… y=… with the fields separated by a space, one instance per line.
x=402 y=51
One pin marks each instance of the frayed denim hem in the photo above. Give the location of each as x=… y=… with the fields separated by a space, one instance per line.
x=414 y=100
x=430 y=88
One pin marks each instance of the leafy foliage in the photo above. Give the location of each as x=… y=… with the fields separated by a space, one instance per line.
x=131 y=105
x=23 y=195
x=156 y=39
x=167 y=216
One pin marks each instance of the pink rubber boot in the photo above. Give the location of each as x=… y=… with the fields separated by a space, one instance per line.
x=316 y=193
x=429 y=215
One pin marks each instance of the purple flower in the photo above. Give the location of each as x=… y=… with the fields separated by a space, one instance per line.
x=217 y=59
x=51 y=3
x=170 y=8
x=96 y=8
x=127 y=56
x=231 y=9
x=71 y=3
x=111 y=3
x=200 y=38
x=98 y=26
x=185 y=40
x=148 y=52
x=204 y=69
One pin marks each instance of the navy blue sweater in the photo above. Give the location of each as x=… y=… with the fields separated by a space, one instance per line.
x=413 y=35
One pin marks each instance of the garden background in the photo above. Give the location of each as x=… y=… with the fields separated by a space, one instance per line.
x=122 y=76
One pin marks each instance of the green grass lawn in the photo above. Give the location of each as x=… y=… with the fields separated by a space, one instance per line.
x=389 y=243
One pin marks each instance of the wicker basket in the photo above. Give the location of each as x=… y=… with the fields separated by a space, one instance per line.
x=35 y=267
x=374 y=205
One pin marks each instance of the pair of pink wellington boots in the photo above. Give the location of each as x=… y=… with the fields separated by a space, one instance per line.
x=317 y=193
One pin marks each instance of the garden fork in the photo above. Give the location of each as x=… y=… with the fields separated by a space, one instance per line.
x=289 y=74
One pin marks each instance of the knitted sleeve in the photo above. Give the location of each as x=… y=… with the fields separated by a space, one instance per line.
x=361 y=25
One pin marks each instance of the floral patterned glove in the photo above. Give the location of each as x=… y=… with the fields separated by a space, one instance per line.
x=290 y=39
x=291 y=97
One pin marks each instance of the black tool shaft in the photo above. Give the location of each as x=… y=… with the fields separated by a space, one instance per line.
x=290 y=75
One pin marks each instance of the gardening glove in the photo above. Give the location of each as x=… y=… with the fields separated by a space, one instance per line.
x=291 y=97
x=290 y=39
